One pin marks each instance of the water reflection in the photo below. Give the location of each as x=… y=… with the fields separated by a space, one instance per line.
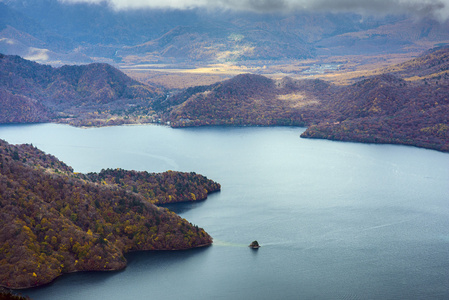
x=149 y=259
x=183 y=207
x=335 y=220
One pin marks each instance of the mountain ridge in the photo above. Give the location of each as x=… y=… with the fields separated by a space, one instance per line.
x=384 y=108
x=69 y=90
x=411 y=96
x=99 y=33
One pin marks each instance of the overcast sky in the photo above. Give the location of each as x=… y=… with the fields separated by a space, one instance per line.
x=434 y=8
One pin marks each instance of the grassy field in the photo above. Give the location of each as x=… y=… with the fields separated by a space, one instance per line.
x=341 y=70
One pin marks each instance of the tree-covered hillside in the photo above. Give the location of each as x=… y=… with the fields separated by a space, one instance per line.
x=54 y=221
x=31 y=92
x=412 y=109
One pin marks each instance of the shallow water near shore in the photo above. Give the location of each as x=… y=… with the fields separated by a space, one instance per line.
x=334 y=220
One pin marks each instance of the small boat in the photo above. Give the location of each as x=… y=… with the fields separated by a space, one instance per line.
x=254 y=245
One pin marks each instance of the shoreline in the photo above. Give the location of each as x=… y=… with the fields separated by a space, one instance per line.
x=348 y=139
x=102 y=270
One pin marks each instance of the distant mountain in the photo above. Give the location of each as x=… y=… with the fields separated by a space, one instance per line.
x=59 y=32
x=406 y=104
x=24 y=35
x=54 y=221
x=434 y=63
x=34 y=92
x=396 y=36
x=381 y=109
x=220 y=44
x=249 y=100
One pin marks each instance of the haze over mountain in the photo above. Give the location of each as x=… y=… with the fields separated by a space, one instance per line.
x=198 y=32
x=375 y=6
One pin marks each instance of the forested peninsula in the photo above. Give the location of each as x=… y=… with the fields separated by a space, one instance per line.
x=55 y=221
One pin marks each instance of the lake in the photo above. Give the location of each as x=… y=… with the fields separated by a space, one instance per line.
x=335 y=220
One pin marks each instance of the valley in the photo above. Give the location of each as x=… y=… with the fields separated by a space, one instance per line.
x=341 y=70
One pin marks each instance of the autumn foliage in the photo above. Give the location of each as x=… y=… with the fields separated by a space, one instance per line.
x=31 y=92
x=412 y=110
x=54 y=221
x=386 y=109
x=404 y=104
x=246 y=100
x=160 y=188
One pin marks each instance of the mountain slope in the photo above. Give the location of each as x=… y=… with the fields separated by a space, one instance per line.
x=381 y=109
x=19 y=109
x=53 y=221
x=69 y=89
x=393 y=37
x=243 y=100
x=431 y=64
x=67 y=32
x=69 y=85
x=386 y=109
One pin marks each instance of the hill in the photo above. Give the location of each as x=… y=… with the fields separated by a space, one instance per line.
x=386 y=109
x=404 y=104
x=20 y=109
x=250 y=100
x=69 y=93
x=54 y=221
x=380 y=109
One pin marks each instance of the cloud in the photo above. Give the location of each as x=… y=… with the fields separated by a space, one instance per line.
x=421 y=8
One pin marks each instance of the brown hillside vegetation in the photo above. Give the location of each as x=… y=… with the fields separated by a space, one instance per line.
x=9 y=295
x=250 y=100
x=431 y=64
x=386 y=109
x=381 y=109
x=19 y=109
x=53 y=221
x=32 y=92
x=160 y=188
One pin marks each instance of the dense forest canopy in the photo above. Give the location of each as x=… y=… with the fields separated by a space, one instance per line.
x=404 y=104
x=31 y=92
x=55 y=221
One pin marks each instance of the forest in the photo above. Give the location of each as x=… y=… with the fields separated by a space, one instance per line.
x=6 y=294
x=87 y=95
x=55 y=221
x=403 y=104
x=407 y=103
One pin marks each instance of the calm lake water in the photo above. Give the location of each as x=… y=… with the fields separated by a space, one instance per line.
x=335 y=220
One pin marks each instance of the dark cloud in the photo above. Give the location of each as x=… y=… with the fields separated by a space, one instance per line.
x=431 y=8
x=420 y=8
x=381 y=6
x=256 y=5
